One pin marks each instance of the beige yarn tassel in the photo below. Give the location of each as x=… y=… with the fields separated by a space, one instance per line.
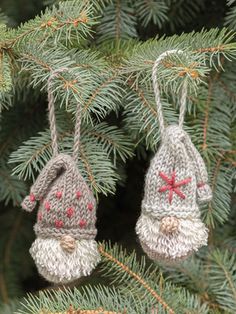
x=169 y=227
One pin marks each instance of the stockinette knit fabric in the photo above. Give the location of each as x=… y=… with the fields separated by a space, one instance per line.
x=64 y=249
x=66 y=215
x=169 y=227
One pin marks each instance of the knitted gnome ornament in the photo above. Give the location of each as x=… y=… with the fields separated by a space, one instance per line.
x=169 y=227
x=64 y=249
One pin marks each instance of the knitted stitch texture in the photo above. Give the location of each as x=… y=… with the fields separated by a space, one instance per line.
x=175 y=184
x=65 y=248
x=169 y=227
x=67 y=207
x=66 y=203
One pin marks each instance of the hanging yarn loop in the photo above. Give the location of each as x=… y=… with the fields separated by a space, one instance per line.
x=52 y=117
x=170 y=227
x=157 y=92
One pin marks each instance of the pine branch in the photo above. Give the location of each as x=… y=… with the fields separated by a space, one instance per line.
x=182 y=12
x=5 y=73
x=84 y=83
x=219 y=208
x=114 y=75
x=114 y=141
x=205 y=47
x=3 y=17
x=11 y=307
x=141 y=115
x=206 y=120
x=223 y=280
x=213 y=187
x=193 y=273
x=69 y=20
x=88 y=299
x=100 y=146
x=97 y=91
x=136 y=277
x=11 y=188
x=134 y=295
x=230 y=16
x=118 y=22
x=146 y=283
x=79 y=311
x=152 y=11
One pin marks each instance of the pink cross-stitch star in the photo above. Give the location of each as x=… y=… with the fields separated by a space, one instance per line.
x=173 y=186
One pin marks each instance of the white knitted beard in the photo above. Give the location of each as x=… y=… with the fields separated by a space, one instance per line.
x=191 y=235
x=58 y=266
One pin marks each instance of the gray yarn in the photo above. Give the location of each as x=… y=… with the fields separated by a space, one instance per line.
x=77 y=134
x=62 y=175
x=157 y=92
x=51 y=110
x=52 y=118
x=169 y=227
x=173 y=155
x=67 y=211
x=182 y=109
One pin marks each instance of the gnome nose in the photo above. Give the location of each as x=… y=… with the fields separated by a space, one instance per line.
x=68 y=243
x=169 y=225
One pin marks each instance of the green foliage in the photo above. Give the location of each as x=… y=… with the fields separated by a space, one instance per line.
x=140 y=109
x=211 y=276
x=222 y=279
x=5 y=73
x=230 y=20
x=109 y=76
x=11 y=189
x=202 y=49
x=155 y=11
x=183 y=12
x=140 y=290
x=146 y=283
x=3 y=17
x=89 y=298
x=67 y=21
x=118 y=21
x=10 y=308
x=122 y=19
x=96 y=163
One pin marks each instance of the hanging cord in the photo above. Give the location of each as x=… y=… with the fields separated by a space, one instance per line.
x=75 y=154
x=183 y=100
x=52 y=118
x=157 y=92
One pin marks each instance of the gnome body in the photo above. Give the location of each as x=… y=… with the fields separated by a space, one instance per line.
x=169 y=227
x=64 y=249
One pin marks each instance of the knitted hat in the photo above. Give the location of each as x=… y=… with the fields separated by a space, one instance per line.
x=65 y=248
x=169 y=227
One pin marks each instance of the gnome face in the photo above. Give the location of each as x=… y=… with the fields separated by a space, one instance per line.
x=169 y=227
x=65 y=248
x=58 y=265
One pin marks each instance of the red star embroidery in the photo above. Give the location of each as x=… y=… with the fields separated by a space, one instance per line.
x=172 y=186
